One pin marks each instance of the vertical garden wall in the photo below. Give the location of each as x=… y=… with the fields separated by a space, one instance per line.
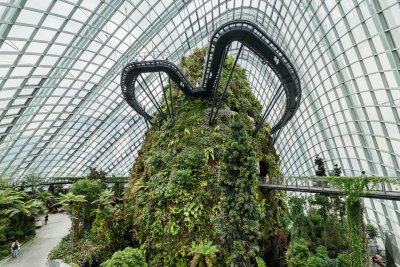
x=193 y=189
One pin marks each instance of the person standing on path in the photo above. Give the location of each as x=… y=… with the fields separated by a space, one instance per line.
x=15 y=247
x=46 y=218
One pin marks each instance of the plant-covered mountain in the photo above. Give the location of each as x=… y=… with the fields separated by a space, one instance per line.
x=194 y=188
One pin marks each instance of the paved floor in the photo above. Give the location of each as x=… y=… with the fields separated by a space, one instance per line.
x=34 y=253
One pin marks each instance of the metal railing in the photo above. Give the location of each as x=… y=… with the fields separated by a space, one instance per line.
x=380 y=190
x=59 y=181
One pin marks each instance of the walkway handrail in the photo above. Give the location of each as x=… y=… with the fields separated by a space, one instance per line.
x=243 y=31
x=320 y=185
x=63 y=180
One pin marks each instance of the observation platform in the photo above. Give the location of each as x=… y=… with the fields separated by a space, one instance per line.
x=302 y=184
x=245 y=32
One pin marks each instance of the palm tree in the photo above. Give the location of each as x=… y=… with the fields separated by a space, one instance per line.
x=71 y=204
x=104 y=203
x=33 y=182
x=22 y=213
x=9 y=197
x=46 y=197
x=29 y=209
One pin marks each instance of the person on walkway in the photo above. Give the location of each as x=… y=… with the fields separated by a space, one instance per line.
x=15 y=247
x=46 y=218
x=366 y=182
x=266 y=179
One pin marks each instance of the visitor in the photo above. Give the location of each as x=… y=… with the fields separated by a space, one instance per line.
x=15 y=247
x=266 y=179
x=366 y=184
x=379 y=260
x=46 y=218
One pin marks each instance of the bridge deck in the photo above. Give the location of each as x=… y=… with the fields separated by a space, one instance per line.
x=379 y=194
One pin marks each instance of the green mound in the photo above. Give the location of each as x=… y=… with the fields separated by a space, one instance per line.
x=194 y=184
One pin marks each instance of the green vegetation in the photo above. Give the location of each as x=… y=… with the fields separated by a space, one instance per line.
x=100 y=226
x=193 y=197
x=126 y=258
x=338 y=225
x=193 y=182
x=203 y=254
x=299 y=255
x=72 y=204
x=91 y=190
x=239 y=200
x=372 y=231
x=18 y=211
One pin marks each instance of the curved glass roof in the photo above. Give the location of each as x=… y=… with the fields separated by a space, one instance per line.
x=61 y=108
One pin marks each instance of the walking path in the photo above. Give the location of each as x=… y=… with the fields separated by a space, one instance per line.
x=35 y=252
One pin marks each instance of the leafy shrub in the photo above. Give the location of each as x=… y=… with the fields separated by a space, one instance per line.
x=126 y=258
x=297 y=254
x=86 y=252
x=91 y=189
x=191 y=158
x=111 y=230
x=372 y=231
x=203 y=254
x=158 y=161
x=315 y=261
x=343 y=260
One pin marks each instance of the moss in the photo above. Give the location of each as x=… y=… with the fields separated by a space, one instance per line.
x=175 y=184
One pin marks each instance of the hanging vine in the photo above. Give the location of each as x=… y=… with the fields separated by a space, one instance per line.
x=353 y=188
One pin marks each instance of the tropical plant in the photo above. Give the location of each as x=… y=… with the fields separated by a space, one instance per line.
x=260 y=262
x=372 y=231
x=85 y=253
x=91 y=189
x=100 y=175
x=238 y=222
x=17 y=217
x=297 y=254
x=30 y=209
x=337 y=170
x=203 y=254
x=33 y=182
x=104 y=202
x=319 y=162
x=46 y=197
x=298 y=217
x=126 y=258
x=72 y=204
x=315 y=261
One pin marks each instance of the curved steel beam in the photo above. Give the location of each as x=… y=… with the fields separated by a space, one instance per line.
x=242 y=31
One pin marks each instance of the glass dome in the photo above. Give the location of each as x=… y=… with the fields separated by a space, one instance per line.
x=62 y=111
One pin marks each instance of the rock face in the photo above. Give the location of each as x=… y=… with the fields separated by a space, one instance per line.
x=193 y=183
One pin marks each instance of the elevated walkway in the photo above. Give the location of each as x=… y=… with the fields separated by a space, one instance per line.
x=245 y=32
x=311 y=185
x=63 y=181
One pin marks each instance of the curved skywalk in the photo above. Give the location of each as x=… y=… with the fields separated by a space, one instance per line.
x=61 y=110
x=249 y=35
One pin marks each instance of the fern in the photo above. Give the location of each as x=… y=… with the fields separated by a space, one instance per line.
x=260 y=262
